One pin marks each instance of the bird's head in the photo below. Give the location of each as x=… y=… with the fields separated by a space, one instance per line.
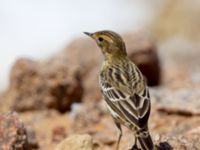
x=110 y=43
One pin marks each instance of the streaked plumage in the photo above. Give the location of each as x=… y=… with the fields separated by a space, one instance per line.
x=124 y=88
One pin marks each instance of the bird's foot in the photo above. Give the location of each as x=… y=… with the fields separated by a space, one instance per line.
x=135 y=148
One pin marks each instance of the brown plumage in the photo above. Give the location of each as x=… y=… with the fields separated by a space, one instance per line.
x=124 y=88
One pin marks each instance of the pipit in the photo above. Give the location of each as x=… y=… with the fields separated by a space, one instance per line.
x=124 y=89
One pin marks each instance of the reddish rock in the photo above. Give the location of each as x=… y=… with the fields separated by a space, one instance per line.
x=39 y=85
x=12 y=133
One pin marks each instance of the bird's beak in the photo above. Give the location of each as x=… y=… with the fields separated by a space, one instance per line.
x=88 y=34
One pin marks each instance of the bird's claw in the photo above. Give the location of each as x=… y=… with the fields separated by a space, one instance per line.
x=135 y=148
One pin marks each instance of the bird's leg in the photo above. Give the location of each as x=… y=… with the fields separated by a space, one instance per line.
x=135 y=143
x=119 y=139
x=134 y=147
x=119 y=134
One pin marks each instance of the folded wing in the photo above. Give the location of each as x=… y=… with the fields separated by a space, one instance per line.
x=132 y=108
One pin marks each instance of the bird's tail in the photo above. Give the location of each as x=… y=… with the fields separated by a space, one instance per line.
x=146 y=142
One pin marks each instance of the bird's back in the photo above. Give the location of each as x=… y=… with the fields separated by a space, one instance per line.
x=124 y=75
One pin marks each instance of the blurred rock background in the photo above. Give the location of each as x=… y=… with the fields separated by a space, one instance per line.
x=55 y=96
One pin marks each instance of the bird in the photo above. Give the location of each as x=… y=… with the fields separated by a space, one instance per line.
x=124 y=89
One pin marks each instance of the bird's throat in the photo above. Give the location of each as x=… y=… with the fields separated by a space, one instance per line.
x=116 y=58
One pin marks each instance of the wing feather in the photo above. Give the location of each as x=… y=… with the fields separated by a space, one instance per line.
x=129 y=105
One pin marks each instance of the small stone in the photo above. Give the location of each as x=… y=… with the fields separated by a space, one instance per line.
x=156 y=137
x=58 y=133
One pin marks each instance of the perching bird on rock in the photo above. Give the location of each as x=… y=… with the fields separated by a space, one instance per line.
x=124 y=89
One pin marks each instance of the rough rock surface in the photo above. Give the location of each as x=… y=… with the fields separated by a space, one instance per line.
x=36 y=85
x=12 y=133
x=76 y=142
x=183 y=101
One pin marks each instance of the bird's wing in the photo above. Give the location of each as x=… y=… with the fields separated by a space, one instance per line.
x=133 y=107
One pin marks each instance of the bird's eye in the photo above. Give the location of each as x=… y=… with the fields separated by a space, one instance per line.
x=100 y=39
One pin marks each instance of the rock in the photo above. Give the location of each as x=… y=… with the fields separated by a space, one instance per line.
x=181 y=101
x=12 y=133
x=49 y=126
x=76 y=142
x=40 y=85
